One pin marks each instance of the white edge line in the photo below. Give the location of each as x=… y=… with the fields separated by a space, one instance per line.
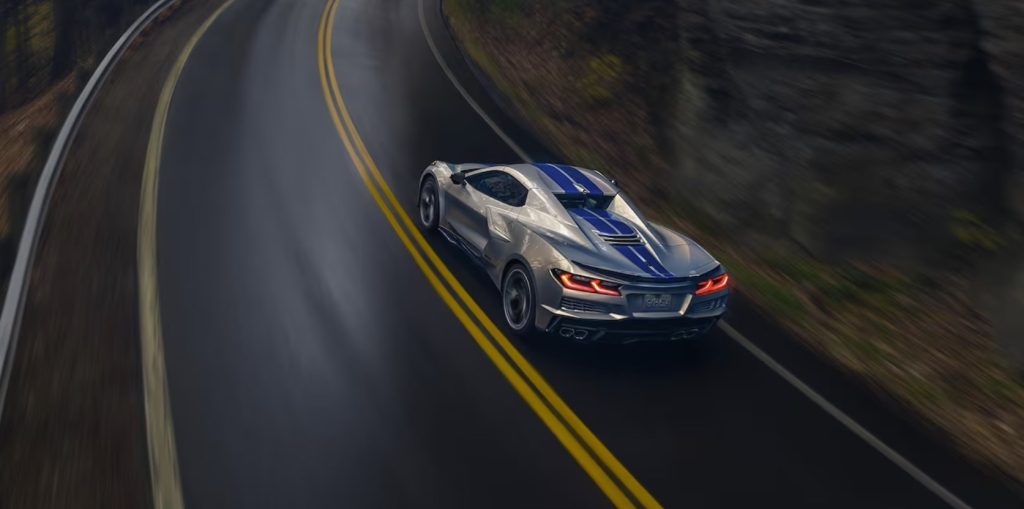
x=844 y=419
x=10 y=317
x=465 y=95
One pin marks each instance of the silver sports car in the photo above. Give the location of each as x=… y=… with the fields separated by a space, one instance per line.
x=571 y=254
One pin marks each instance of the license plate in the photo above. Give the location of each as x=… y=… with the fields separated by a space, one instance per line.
x=657 y=301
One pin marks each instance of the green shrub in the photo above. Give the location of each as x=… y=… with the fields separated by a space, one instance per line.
x=973 y=233
x=603 y=79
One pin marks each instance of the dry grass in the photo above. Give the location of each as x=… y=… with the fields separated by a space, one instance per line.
x=916 y=338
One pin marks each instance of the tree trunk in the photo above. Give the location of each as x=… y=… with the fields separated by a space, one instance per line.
x=63 y=37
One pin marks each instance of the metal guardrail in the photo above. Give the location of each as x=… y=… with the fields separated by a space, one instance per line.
x=10 y=314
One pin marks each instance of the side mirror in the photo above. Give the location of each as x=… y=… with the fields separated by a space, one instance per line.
x=458 y=178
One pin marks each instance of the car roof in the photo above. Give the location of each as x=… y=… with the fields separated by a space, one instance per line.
x=562 y=178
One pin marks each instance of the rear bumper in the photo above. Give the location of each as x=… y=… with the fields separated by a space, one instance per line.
x=632 y=330
x=627 y=317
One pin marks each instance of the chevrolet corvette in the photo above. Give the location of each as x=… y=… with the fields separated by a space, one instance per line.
x=571 y=255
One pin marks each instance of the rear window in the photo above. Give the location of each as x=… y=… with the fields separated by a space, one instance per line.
x=584 y=201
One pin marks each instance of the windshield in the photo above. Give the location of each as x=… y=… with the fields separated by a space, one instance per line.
x=584 y=201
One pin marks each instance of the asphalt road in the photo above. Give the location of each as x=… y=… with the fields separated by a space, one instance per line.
x=311 y=364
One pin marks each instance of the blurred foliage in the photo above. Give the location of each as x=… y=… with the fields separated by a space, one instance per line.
x=973 y=233
x=43 y=40
x=496 y=11
x=603 y=82
x=502 y=9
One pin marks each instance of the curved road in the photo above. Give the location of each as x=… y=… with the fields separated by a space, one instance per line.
x=311 y=363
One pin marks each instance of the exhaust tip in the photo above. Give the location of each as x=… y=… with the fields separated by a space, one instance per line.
x=581 y=334
x=566 y=332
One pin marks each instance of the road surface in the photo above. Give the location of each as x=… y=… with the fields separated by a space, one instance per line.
x=311 y=363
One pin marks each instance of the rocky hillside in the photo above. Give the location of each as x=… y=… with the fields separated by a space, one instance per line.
x=859 y=165
x=870 y=129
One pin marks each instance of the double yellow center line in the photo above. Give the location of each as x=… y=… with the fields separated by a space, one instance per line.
x=607 y=472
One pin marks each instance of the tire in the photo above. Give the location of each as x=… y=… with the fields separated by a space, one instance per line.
x=519 y=300
x=429 y=204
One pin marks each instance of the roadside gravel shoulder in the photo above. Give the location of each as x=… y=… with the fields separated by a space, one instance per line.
x=73 y=433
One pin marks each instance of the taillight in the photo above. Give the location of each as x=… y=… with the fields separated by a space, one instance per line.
x=712 y=285
x=585 y=284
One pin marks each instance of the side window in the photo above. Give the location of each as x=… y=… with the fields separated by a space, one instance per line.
x=499 y=185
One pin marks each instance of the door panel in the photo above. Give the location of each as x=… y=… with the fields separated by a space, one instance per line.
x=482 y=208
x=467 y=215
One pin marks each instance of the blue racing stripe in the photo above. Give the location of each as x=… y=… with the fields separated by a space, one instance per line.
x=555 y=174
x=577 y=176
x=645 y=262
x=631 y=255
x=601 y=226
x=605 y=225
x=645 y=254
x=616 y=223
x=640 y=255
